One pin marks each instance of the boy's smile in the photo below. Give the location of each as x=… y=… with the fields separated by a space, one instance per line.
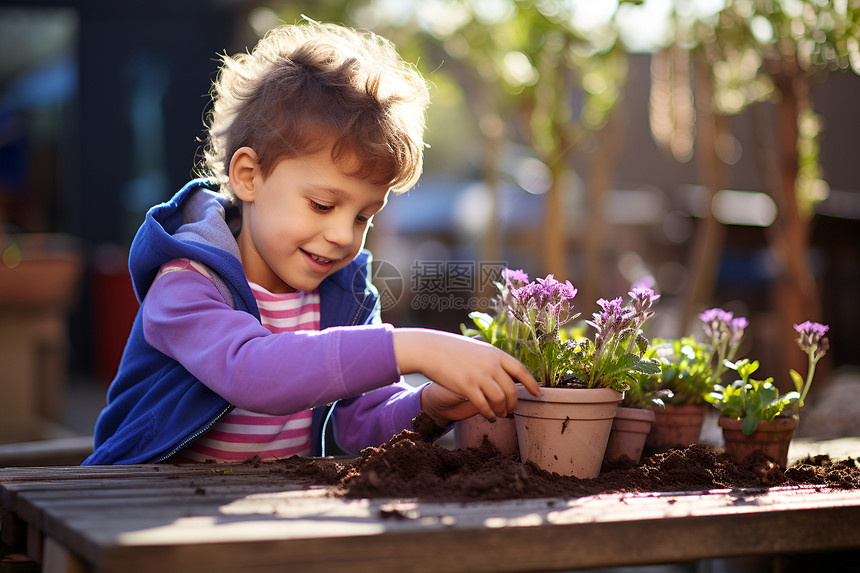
x=305 y=221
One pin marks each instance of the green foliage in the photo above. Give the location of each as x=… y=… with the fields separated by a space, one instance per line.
x=682 y=376
x=619 y=368
x=645 y=390
x=749 y=399
x=570 y=356
x=503 y=332
x=549 y=359
x=685 y=371
x=528 y=325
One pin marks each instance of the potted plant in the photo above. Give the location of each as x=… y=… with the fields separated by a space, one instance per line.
x=753 y=414
x=635 y=416
x=684 y=380
x=501 y=329
x=689 y=370
x=566 y=429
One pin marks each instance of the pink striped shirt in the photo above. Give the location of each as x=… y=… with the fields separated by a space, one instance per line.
x=243 y=434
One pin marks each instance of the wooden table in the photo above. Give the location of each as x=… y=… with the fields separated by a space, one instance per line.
x=242 y=518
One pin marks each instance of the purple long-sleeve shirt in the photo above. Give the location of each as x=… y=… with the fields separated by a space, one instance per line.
x=185 y=317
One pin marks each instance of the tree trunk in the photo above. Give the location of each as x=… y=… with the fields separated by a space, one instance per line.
x=555 y=237
x=794 y=295
x=557 y=107
x=710 y=235
x=609 y=140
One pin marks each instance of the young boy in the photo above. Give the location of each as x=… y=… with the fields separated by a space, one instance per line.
x=258 y=326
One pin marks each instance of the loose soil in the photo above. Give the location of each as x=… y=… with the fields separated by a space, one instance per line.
x=408 y=467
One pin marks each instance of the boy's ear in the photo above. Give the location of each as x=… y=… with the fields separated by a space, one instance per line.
x=244 y=171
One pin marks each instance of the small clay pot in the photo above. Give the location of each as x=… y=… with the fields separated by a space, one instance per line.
x=565 y=430
x=502 y=433
x=676 y=426
x=770 y=436
x=630 y=428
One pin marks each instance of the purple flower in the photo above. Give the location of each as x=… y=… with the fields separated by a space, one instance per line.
x=550 y=301
x=812 y=329
x=812 y=339
x=612 y=309
x=643 y=299
x=614 y=320
x=516 y=278
x=556 y=290
x=643 y=294
x=715 y=315
x=717 y=324
x=737 y=327
x=545 y=292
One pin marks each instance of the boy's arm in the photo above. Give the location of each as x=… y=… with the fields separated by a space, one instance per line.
x=371 y=419
x=186 y=318
x=469 y=369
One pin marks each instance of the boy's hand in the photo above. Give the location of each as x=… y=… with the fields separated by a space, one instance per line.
x=471 y=370
x=444 y=406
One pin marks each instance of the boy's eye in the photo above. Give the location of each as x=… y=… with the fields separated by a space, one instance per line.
x=365 y=220
x=319 y=206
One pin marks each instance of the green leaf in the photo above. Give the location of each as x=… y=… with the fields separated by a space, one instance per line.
x=648 y=366
x=749 y=425
x=469 y=332
x=641 y=343
x=623 y=363
x=745 y=368
x=797 y=379
x=767 y=394
x=481 y=319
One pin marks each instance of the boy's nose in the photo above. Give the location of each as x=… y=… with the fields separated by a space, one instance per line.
x=340 y=232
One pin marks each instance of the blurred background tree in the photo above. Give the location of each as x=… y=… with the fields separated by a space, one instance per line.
x=720 y=64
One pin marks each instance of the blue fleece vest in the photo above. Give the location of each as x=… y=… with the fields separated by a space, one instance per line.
x=155 y=407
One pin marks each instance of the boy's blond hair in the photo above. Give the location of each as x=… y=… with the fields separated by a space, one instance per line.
x=307 y=86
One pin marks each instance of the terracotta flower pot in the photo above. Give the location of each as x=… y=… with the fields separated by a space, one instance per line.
x=630 y=428
x=676 y=426
x=771 y=437
x=565 y=430
x=502 y=433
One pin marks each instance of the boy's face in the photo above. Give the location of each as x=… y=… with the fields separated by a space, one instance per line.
x=305 y=221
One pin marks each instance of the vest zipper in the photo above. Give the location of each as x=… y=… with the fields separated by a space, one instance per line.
x=193 y=436
x=360 y=308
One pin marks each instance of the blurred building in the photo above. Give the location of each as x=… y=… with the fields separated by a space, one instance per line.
x=100 y=113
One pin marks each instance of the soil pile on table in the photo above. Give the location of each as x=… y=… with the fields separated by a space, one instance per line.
x=408 y=467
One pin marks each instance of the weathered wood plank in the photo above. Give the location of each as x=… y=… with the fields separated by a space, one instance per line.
x=86 y=482
x=148 y=487
x=195 y=519
x=12 y=474
x=291 y=527
x=572 y=546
